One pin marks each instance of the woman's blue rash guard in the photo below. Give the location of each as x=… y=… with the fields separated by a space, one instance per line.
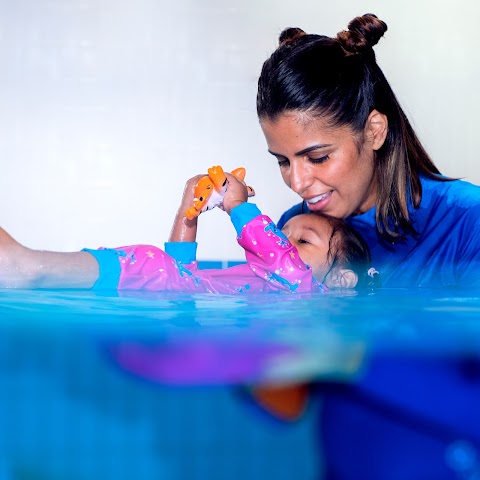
x=446 y=251
x=412 y=418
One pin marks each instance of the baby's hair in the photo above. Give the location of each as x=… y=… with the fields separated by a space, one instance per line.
x=348 y=249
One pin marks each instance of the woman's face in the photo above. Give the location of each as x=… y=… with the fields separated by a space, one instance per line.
x=330 y=168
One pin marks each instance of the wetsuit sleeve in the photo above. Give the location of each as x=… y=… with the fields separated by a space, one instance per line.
x=269 y=253
x=184 y=253
x=109 y=267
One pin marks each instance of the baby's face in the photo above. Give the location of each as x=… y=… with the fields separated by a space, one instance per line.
x=311 y=234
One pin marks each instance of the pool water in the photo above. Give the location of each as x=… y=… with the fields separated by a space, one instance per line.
x=147 y=384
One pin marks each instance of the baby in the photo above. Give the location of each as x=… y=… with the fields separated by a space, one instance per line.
x=311 y=252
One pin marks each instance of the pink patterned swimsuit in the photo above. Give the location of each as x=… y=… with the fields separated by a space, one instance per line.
x=273 y=263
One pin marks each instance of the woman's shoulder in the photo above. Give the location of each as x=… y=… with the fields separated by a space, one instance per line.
x=451 y=207
x=458 y=193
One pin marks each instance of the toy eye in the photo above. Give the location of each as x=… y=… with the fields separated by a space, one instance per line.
x=209 y=187
x=200 y=199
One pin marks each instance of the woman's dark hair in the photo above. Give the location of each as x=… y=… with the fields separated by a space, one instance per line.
x=339 y=80
x=348 y=249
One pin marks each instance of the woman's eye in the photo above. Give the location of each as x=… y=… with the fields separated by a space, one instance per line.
x=318 y=159
x=283 y=163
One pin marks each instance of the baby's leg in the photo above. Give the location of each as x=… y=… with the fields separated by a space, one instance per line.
x=21 y=267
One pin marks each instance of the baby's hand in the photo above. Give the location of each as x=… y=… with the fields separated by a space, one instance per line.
x=189 y=192
x=237 y=193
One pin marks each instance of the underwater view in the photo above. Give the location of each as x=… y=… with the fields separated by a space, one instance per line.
x=151 y=384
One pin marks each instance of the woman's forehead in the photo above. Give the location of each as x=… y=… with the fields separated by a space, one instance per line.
x=296 y=121
x=297 y=131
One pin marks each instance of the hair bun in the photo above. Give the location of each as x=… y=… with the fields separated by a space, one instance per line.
x=363 y=33
x=290 y=35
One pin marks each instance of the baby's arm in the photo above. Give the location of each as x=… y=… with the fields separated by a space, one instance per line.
x=268 y=251
x=270 y=254
x=183 y=229
x=182 y=245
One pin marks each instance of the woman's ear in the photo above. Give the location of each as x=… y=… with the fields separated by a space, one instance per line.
x=342 y=278
x=376 y=128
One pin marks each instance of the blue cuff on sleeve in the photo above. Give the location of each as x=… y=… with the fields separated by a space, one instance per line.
x=184 y=252
x=109 y=267
x=242 y=214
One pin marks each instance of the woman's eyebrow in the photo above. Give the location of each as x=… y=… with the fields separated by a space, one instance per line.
x=277 y=154
x=310 y=149
x=302 y=152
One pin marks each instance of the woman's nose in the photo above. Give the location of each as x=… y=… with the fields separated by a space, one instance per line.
x=300 y=177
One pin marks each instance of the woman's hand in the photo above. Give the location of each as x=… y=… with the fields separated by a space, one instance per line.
x=237 y=193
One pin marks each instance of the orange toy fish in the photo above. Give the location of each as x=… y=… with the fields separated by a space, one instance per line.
x=210 y=190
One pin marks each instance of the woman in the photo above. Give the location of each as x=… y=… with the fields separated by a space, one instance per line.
x=344 y=144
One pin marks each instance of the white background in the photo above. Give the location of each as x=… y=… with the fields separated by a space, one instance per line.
x=108 y=106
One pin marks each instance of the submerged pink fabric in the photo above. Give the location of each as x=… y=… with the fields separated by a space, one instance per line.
x=273 y=264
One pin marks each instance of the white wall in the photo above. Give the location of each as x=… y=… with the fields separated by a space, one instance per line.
x=108 y=106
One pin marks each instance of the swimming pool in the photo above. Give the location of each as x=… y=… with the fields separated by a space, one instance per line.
x=146 y=384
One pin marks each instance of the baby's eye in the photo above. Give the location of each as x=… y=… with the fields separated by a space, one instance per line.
x=318 y=160
x=302 y=241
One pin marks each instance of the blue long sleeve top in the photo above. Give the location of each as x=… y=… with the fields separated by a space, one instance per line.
x=446 y=251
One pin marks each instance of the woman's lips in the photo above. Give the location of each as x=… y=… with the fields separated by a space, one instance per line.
x=318 y=202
